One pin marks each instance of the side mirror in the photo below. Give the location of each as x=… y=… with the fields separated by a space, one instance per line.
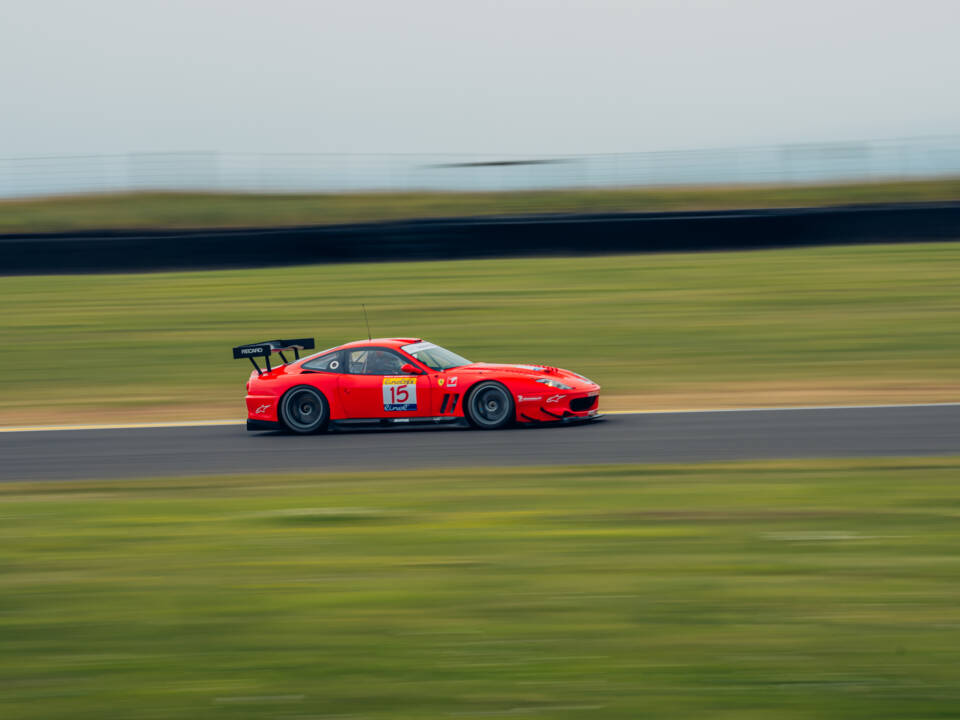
x=409 y=369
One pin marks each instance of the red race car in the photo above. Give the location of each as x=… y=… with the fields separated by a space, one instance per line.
x=404 y=381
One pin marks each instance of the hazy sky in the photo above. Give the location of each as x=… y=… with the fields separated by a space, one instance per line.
x=106 y=76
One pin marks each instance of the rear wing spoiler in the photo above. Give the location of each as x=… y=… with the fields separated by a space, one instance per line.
x=267 y=348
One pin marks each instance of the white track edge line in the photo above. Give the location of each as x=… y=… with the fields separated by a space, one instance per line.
x=123 y=426
x=775 y=408
x=228 y=423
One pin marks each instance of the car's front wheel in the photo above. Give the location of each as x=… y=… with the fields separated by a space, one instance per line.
x=490 y=406
x=304 y=410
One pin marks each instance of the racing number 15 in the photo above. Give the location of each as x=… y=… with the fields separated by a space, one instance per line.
x=399 y=394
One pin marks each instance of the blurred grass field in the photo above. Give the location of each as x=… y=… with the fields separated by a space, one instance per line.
x=818 y=325
x=189 y=210
x=757 y=590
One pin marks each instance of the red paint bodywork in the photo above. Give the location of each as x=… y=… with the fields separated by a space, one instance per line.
x=354 y=397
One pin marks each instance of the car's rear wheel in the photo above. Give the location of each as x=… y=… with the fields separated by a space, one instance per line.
x=304 y=410
x=490 y=406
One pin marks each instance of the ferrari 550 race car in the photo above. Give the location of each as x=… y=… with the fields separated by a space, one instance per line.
x=404 y=381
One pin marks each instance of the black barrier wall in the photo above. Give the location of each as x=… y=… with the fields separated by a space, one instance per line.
x=115 y=251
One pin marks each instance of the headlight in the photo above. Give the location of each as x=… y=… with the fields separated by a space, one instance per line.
x=554 y=384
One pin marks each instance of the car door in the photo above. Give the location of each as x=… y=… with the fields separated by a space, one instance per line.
x=376 y=388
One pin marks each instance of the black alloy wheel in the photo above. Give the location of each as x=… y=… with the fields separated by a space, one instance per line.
x=490 y=406
x=304 y=410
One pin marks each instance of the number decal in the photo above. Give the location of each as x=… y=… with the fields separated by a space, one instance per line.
x=399 y=394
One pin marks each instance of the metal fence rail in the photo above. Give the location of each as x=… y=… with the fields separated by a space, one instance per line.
x=305 y=172
x=150 y=250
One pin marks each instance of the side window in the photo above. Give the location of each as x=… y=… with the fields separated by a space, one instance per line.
x=358 y=359
x=331 y=362
x=375 y=361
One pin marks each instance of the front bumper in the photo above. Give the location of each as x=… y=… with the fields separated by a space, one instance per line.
x=580 y=406
x=569 y=419
x=588 y=418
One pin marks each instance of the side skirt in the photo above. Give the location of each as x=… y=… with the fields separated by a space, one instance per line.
x=399 y=422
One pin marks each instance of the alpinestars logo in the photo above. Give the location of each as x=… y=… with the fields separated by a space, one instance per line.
x=262 y=409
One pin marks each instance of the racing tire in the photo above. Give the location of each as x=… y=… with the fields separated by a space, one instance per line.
x=490 y=406
x=304 y=410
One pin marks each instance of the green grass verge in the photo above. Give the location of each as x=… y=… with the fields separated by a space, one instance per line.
x=639 y=325
x=787 y=590
x=185 y=210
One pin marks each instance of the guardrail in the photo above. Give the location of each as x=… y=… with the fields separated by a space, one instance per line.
x=121 y=251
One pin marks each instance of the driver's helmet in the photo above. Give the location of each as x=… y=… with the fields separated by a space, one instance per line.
x=383 y=363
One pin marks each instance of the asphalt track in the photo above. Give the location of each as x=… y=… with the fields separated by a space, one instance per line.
x=623 y=438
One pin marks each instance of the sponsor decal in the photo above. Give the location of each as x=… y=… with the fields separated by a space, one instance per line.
x=538 y=368
x=262 y=409
x=452 y=382
x=251 y=351
x=440 y=382
x=529 y=398
x=554 y=398
x=399 y=394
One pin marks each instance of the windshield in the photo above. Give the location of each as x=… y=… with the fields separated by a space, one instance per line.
x=434 y=356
